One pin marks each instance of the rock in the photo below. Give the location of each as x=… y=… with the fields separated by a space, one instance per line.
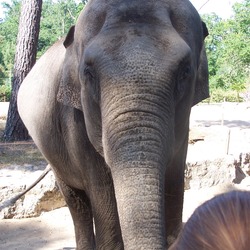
x=45 y=196
x=208 y=173
x=217 y=175
x=208 y=143
x=245 y=184
x=227 y=170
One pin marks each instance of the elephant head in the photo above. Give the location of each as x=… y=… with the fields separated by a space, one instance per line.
x=135 y=69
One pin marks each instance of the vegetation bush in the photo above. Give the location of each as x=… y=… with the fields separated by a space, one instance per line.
x=228 y=51
x=5 y=91
x=221 y=95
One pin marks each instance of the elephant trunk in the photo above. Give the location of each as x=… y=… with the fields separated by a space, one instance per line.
x=139 y=192
x=138 y=141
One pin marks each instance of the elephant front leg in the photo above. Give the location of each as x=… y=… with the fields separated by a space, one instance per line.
x=104 y=207
x=174 y=193
x=80 y=209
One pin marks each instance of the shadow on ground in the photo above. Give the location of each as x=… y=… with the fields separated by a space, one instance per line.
x=227 y=123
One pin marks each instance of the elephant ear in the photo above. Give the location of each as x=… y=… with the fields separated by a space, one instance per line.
x=69 y=92
x=202 y=86
x=69 y=39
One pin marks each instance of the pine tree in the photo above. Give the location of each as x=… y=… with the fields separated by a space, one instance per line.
x=25 y=58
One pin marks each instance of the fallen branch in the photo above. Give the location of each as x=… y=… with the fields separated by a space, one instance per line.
x=12 y=201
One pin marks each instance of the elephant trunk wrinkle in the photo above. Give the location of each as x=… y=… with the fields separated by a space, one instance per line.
x=137 y=154
x=134 y=136
x=139 y=194
x=138 y=142
x=122 y=100
x=136 y=146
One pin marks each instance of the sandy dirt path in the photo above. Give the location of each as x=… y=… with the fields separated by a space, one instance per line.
x=54 y=230
x=51 y=231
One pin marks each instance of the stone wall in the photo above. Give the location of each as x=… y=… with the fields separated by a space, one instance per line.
x=222 y=172
x=208 y=173
x=45 y=196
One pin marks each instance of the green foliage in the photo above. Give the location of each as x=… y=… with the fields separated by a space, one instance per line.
x=242 y=16
x=220 y=95
x=57 y=17
x=8 y=34
x=5 y=92
x=228 y=50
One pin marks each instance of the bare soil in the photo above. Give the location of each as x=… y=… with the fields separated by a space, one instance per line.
x=18 y=153
x=54 y=230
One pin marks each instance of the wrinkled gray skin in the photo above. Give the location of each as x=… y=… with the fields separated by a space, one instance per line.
x=111 y=115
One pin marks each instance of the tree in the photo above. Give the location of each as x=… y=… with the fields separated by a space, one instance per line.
x=57 y=17
x=228 y=49
x=25 y=58
x=214 y=40
x=8 y=35
x=236 y=55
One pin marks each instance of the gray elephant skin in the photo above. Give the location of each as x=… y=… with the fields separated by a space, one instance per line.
x=109 y=106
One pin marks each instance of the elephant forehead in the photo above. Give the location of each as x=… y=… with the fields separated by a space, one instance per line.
x=136 y=48
x=120 y=14
x=135 y=12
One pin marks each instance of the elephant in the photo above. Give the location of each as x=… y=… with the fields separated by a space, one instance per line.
x=108 y=106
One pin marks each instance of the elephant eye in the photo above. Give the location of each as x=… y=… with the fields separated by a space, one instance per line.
x=91 y=82
x=88 y=72
x=185 y=72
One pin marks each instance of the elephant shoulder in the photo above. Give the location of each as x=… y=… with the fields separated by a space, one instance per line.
x=37 y=94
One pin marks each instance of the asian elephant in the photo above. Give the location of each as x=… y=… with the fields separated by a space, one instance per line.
x=109 y=106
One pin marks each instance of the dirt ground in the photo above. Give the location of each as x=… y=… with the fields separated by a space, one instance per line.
x=54 y=230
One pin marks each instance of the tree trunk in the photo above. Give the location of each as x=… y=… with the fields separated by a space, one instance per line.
x=25 y=58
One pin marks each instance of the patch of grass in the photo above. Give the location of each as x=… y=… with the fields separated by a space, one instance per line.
x=18 y=153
